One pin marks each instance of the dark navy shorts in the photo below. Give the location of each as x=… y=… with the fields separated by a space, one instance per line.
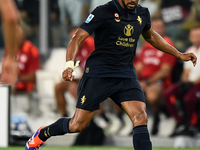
x=93 y=91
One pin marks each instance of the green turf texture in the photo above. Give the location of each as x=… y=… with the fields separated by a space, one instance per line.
x=90 y=148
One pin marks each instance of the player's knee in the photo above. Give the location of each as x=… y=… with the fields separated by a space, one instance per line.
x=139 y=118
x=77 y=127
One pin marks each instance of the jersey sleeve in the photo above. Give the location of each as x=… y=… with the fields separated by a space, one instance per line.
x=93 y=21
x=148 y=22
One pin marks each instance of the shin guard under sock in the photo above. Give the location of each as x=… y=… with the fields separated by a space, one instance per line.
x=60 y=127
x=141 y=139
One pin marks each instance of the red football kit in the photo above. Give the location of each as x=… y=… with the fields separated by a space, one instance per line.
x=153 y=60
x=28 y=61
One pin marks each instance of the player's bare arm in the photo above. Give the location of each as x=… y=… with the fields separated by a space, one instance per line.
x=10 y=24
x=72 y=51
x=158 y=42
x=10 y=21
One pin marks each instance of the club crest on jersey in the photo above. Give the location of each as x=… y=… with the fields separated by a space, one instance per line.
x=90 y=17
x=117 y=19
x=139 y=19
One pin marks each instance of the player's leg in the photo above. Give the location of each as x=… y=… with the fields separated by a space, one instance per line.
x=153 y=94
x=136 y=111
x=60 y=90
x=130 y=97
x=191 y=99
x=88 y=101
x=62 y=126
x=153 y=98
x=68 y=125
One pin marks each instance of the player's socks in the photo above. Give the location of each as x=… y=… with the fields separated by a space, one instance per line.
x=60 y=127
x=141 y=139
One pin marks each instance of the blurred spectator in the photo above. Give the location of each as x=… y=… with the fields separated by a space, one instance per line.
x=152 y=5
x=174 y=13
x=72 y=8
x=193 y=17
x=72 y=13
x=153 y=70
x=56 y=36
x=95 y=3
x=30 y=17
x=66 y=86
x=28 y=62
x=30 y=12
x=186 y=92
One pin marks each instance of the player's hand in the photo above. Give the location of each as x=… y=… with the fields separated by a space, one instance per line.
x=67 y=74
x=188 y=57
x=9 y=71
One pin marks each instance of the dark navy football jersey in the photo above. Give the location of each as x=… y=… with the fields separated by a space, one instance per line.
x=116 y=32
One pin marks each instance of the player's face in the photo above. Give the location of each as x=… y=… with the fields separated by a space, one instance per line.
x=195 y=37
x=129 y=4
x=158 y=26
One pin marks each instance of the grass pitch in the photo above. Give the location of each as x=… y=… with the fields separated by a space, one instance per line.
x=90 y=148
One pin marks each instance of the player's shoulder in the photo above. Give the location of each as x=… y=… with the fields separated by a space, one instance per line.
x=141 y=9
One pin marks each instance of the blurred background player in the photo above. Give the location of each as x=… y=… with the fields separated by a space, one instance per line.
x=28 y=60
x=10 y=23
x=153 y=70
x=61 y=88
x=186 y=92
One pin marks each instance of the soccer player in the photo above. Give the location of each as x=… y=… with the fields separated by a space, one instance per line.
x=109 y=70
x=10 y=23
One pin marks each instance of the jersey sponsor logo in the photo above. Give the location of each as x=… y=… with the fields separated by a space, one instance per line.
x=90 y=17
x=139 y=19
x=117 y=19
x=128 y=30
x=83 y=99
